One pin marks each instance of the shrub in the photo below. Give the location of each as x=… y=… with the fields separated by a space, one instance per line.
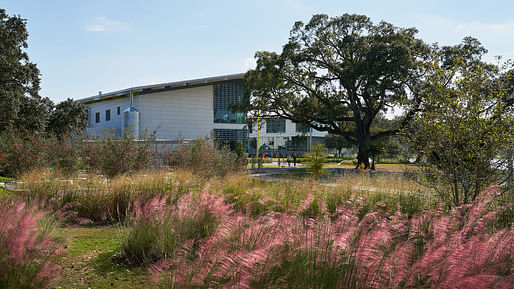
x=113 y=156
x=62 y=154
x=206 y=158
x=316 y=159
x=19 y=155
x=465 y=130
x=22 y=154
x=28 y=246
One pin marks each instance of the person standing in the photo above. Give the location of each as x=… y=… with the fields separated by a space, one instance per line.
x=288 y=160
x=294 y=160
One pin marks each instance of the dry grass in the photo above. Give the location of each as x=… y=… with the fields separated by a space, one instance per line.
x=102 y=200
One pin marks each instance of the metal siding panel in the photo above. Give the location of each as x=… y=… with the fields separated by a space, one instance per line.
x=186 y=111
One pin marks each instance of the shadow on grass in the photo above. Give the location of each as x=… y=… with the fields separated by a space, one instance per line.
x=88 y=263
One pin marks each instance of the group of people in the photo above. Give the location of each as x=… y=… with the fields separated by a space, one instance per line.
x=288 y=160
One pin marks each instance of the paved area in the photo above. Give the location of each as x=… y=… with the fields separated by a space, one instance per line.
x=273 y=169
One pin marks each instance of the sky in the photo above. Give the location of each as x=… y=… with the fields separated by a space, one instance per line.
x=83 y=47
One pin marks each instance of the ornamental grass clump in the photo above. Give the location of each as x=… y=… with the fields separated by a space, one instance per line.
x=28 y=246
x=158 y=227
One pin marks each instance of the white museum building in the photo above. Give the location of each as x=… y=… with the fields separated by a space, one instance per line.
x=190 y=109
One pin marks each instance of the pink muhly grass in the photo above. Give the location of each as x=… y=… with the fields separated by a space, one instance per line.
x=23 y=237
x=305 y=205
x=431 y=249
x=471 y=253
x=27 y=246
x=159 y=228
x=154 y=208
x=312 y=206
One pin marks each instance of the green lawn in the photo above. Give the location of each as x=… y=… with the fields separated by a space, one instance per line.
x=4 y=179
x=87 y=263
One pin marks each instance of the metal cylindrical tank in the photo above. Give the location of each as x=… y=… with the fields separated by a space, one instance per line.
x=130 y=122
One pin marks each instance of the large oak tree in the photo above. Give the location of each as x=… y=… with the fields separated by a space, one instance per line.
x=337 y=74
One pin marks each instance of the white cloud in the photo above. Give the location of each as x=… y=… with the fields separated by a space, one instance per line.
x=248 y=63
x=499 y=28
x=203 y=26
x=95 y=28
x=495 y=37
x=105 y=24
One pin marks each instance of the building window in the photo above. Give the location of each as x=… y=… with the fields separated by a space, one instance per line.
x=275 y=126
x=107 y=115
x=119 y=110
x=97 y=117
x=227 y=93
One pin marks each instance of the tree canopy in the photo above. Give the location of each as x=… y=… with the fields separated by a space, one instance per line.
x=19 y=78
x=466 y=124
x=337 y=74
x=22 y=109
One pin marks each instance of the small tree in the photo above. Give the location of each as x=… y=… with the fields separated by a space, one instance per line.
x=316 y=160
x=67 y=117
x=464 y=127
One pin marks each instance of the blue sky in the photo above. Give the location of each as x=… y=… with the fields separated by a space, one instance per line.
x=82 y=47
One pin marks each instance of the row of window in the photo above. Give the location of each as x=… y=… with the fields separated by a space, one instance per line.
x=107 y=114
x=279 y=126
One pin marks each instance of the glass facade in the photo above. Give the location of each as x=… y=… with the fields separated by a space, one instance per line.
x=231 y=137
x=275 y=126
x=227 y=93
x=283 y=145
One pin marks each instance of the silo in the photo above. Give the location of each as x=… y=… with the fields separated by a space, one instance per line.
x=130 y=120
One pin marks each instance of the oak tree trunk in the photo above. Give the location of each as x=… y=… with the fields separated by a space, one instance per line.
x=363 y=156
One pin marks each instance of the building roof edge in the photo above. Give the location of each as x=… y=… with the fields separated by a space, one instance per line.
x=176 y=84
